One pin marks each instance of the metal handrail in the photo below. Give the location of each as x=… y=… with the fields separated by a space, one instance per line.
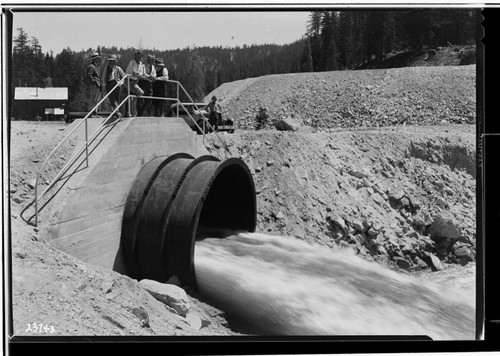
x=196 y=107
x=85 y=146
x=84 y=120
x=200 y=129
x=79 y=151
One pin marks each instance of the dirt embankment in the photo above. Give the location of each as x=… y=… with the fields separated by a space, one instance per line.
x=377 y=190
x=327 y=101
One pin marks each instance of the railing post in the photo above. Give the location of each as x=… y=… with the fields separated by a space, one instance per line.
x=36 y=204
x=86 y=142
x=178 y=100
x=128 y=96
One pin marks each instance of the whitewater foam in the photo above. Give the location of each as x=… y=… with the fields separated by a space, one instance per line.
x=280 y=285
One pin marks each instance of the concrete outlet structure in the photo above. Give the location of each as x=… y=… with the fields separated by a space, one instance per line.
x=87 y=218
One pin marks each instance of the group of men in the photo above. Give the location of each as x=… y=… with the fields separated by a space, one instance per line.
x=147 y=79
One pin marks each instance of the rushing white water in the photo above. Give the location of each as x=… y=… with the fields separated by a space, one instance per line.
x=277 y=285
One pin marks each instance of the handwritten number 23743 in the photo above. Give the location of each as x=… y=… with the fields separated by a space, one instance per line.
x=38 y=328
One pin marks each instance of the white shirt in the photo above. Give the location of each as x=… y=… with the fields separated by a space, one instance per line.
x=137 y=70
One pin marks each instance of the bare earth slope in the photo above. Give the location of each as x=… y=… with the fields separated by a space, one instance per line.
x=370 y=98
x=376 y=190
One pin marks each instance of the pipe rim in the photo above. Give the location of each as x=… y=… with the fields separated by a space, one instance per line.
x=134 y=205
x=189 y=231
x=155 y=214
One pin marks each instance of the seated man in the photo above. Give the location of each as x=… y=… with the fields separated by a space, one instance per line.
x=215 y=112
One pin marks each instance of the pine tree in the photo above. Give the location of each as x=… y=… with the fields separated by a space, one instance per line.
x=390 y=40
x=21 y=42
x=36 y=49
x=345 y=43
x=416 y=25
x=195 y=77
x=24 y=68
x=306 y=62
x=374 y=38
x=329 y=42
x=314 y=33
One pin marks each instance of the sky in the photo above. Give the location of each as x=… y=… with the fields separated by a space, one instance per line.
x=159 y=30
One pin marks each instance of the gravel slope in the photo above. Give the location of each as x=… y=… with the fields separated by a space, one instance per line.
x=347 y=99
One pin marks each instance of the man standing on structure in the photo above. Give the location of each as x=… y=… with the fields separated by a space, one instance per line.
x=94 y=82
x=215 y=112
x=112 y=75
x=160 y=86
x=136 y=70
x=146 y=84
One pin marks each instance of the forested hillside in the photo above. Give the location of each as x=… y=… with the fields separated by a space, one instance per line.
x=335 y=40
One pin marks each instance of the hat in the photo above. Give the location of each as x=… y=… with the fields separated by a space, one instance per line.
x=159 y=62
x=138 y=52
x=95 y=55
x=150 y=56
x=112 y=58
x=214 y=97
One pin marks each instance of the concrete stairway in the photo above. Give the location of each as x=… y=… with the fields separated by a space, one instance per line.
x=88 y=220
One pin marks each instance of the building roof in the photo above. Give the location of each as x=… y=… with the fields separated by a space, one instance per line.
x=31 y=93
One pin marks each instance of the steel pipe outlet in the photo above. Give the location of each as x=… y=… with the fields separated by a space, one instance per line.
x=134 y=205
x=182 y=196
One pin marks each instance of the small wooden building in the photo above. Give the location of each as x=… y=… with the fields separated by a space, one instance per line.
x=42 y=103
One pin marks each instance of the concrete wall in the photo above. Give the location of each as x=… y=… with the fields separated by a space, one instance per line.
x=88 y=225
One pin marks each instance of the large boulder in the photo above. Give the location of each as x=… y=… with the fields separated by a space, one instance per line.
x=169 y=294
x=286 y=125
x=444 y=227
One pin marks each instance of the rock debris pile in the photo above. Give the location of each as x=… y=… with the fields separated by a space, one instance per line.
x=403 y=196
x=326 y=101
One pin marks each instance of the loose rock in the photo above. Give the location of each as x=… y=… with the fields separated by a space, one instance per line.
x=280 y=215
x=402 y=263
x=286 y=125
x=32 y=183
x=173 y=296
x=462 y=251
x=396 y=194
x=434 y=262
x=358 y=173
x=194 y=321
x=441 y=202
